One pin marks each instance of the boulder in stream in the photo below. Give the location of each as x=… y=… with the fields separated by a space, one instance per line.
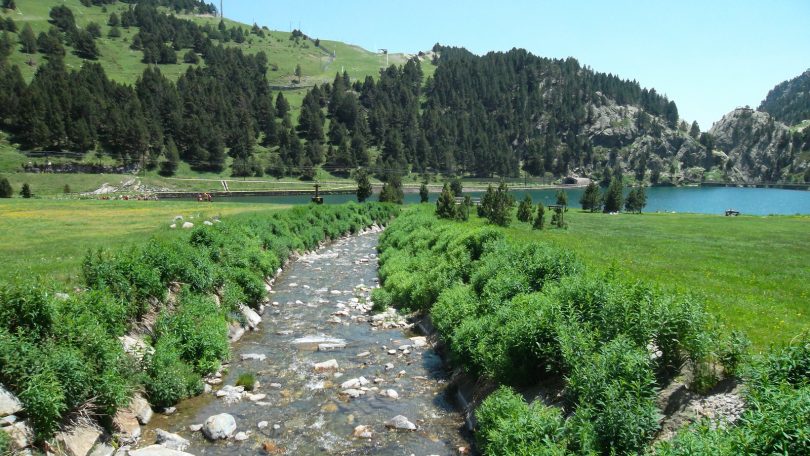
x=171 y=441
x=326 y=366
x=219 y=427
x=363 y=432
x=158 y=450
x=399 y=422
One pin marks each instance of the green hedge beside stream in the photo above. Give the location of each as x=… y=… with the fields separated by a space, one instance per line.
x=63 y=356
x=526 y=314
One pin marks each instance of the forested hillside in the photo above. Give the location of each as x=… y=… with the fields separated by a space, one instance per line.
x=164 y=85
x=789 y=101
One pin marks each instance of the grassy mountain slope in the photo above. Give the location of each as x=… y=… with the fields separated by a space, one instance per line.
x=122 y=64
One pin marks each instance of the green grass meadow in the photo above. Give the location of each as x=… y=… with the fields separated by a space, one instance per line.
x=753 y=271
x=49 y=238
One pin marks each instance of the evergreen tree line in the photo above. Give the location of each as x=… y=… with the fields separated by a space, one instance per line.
x=227 y=104
x=480 y=115
x=613 y=198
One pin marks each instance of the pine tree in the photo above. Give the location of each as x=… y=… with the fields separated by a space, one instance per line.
x=591 y=199
x=282 y=107
x=456 y=187
x=6 y=191
x=446 y=204
x=169 y=166
x=364 y=188
x=392 y=191
x=524 y=213
x=540 y=220
x=500 y=212
x=28 y=40
x=694 y=132
x=562 y=198
x=26 y=191
x=613 y=197
x=631 y=202
x=424 y=193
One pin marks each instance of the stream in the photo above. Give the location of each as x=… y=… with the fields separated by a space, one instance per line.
x=320 y=303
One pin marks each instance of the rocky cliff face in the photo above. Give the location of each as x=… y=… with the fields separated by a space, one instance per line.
x=642 y=144
x=758 y=147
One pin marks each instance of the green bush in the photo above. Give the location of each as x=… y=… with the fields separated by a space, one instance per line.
x=247 y=380
x=24 y=306
x=169 y=379
x=381 y=299
x=617 y=385
x=200 y=330
x=454 y=305
x=44 y=401
x=508 y=426
x=73 y=372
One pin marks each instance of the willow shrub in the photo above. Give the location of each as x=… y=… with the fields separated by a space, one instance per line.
x=516 y=313
x=509 y=426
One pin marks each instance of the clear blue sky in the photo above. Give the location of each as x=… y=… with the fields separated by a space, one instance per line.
x=709 y=56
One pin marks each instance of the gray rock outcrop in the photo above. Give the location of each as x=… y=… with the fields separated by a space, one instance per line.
x=79 y=440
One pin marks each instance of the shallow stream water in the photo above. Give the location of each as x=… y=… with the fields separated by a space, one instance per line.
x=320 y=297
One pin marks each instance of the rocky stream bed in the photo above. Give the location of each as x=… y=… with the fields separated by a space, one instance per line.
x=331 y=378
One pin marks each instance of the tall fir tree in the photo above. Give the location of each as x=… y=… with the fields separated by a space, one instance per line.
x=613 y=197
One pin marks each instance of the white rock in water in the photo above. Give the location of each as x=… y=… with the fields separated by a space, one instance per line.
x=219 y=427
x=389 y=393
x=326 y=366
x=353 y=393
x=389 y=366
x=253 y=319
x=195 y=427
x=157 y=450
x=171 y=441
x=316 y=340
x=241 y=436
x=253 y=356
x=188 y=225
x=141 y=408
x=400 y=422
x=262 y=424
x=363 y=432
x=331 y=347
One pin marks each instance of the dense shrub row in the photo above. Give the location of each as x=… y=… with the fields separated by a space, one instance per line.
x=523 y=313
x=63 y=356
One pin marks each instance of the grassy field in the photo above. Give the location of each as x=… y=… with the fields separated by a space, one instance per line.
x=49 y=238
x=753 y=271
x=124 y=65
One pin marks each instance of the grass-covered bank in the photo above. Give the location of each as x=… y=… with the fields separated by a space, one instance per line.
x=51 y=237
x=751 y=271
x=521 y=313
x=61 y=354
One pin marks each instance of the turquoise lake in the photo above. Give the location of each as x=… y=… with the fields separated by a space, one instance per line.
x=702 y=200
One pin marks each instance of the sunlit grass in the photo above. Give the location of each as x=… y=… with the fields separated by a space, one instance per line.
x=49 y=238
